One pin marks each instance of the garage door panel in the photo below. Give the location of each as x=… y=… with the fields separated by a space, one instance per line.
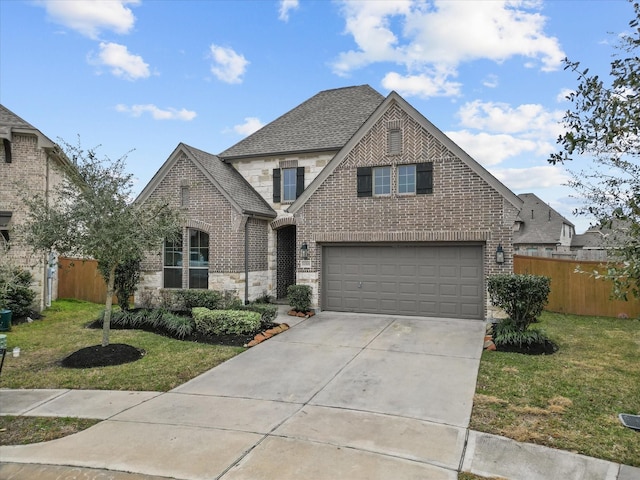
x=408 y=280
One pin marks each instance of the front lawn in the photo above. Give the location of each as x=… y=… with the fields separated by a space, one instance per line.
x=166 y=364
x=569 y=400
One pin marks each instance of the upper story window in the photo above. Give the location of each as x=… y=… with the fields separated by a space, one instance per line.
x=382 y=181
x=376 y=181
x=288 y=184
x=406 y=179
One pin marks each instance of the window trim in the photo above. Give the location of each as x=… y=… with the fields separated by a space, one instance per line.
x=373 y=180
x=399 y=176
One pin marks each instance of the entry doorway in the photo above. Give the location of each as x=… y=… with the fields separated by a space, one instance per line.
x=286 y=260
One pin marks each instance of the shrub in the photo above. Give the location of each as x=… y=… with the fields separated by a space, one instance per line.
x=268 y=312
x=522 y=297
x=506 y=333
x=190 y=298
x=15 y=291
x=217 y=322
x=299 y=297
x=178 y=326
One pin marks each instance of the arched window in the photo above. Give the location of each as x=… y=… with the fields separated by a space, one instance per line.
x=198 y=259
x=173 y=263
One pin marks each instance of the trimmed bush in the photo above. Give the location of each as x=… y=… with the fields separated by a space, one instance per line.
x=15 y=292
x=219 y=322
x=268 y=312
x=299 y=297
x=522 y=297
x=190 y=298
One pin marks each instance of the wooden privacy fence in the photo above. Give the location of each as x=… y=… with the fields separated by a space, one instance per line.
x=80 y=279
x=577 y=293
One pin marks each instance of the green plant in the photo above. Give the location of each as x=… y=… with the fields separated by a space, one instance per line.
x=506 y=332
x=522 y=297
x=178 y=326
x=268 y=312
x=219 y=322
x=126 y=280
x=299 y=297
x=190 y=298
x=15 y=290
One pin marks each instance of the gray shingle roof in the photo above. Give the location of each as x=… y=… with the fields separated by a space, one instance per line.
x=10 y=119
x=541 y=223
x=229 y=179
x=326 y=121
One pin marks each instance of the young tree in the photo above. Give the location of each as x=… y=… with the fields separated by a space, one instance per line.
x=95 y=216
x=604 y=123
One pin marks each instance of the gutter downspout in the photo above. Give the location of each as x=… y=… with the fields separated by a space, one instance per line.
x=246 y=260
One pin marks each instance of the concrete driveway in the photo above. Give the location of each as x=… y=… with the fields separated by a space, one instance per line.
x=337 y=396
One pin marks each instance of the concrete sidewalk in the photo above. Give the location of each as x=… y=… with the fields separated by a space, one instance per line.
x=336 y=396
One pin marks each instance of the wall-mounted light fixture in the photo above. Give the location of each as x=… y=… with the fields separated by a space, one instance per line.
x=499 y=254
x=304 y=251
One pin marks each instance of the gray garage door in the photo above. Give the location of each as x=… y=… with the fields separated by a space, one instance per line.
x=438 y=281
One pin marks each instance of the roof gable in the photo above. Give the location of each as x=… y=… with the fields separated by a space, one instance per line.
x=223 y=176
x=326 y=121
x=541 y=223
x=424 y=123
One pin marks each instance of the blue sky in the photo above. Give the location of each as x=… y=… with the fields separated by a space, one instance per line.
x=144 y=75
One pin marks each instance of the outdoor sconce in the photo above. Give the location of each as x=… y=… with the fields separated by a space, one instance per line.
x=499 y=254
x=304 y=251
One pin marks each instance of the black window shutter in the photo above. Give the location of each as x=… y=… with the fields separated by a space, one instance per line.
x=299 y=181
x=424 y=178
x=365 y=182
x=7 y=150
x=276 y=185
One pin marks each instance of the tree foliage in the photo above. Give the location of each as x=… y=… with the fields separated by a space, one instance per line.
x=94 y=216
x=604 y=124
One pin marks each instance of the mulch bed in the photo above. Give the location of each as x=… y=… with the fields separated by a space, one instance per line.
x=119 y=353
x=546 y=348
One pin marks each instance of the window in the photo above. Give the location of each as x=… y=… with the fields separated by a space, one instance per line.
x=7 y=150
x=173 y=263
x=288 y=184
x=406 y=179
x=198 y=259
x=382 y=181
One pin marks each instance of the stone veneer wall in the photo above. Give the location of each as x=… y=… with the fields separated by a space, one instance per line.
x=462 y=208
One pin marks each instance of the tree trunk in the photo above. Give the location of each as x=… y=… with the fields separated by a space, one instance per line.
x=106 y=323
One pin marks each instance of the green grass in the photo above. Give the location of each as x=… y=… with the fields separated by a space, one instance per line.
x=569 y=400
x=44 y=343
x=25 y=430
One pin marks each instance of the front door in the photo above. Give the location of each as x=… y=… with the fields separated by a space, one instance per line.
x=286 y=260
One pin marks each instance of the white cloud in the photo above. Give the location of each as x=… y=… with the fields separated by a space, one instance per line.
x=285 y=7
x=564 y=93
x=157 y=113
x=423 y=85
x=91 y=17
x=490 y=81
x=534 y=177
x=120 y=61
x=490 y=149
x=501 y=117
x=228 y=66
x=250 y=125
x=429 y=38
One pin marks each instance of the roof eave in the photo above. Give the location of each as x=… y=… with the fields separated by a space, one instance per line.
x=230 y=159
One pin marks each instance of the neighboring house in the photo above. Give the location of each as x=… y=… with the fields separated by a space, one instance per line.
x=29 y=163
x=355 y=194
x=540 y=231
x=599 y=243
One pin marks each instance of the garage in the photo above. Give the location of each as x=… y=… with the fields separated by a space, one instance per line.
x=426 y=280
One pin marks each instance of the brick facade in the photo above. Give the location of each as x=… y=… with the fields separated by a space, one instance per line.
x=462 y=208
x=32 y=172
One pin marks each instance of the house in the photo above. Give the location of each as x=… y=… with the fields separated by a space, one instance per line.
x=355 y=194
x=27 y=154
x=540 y=231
